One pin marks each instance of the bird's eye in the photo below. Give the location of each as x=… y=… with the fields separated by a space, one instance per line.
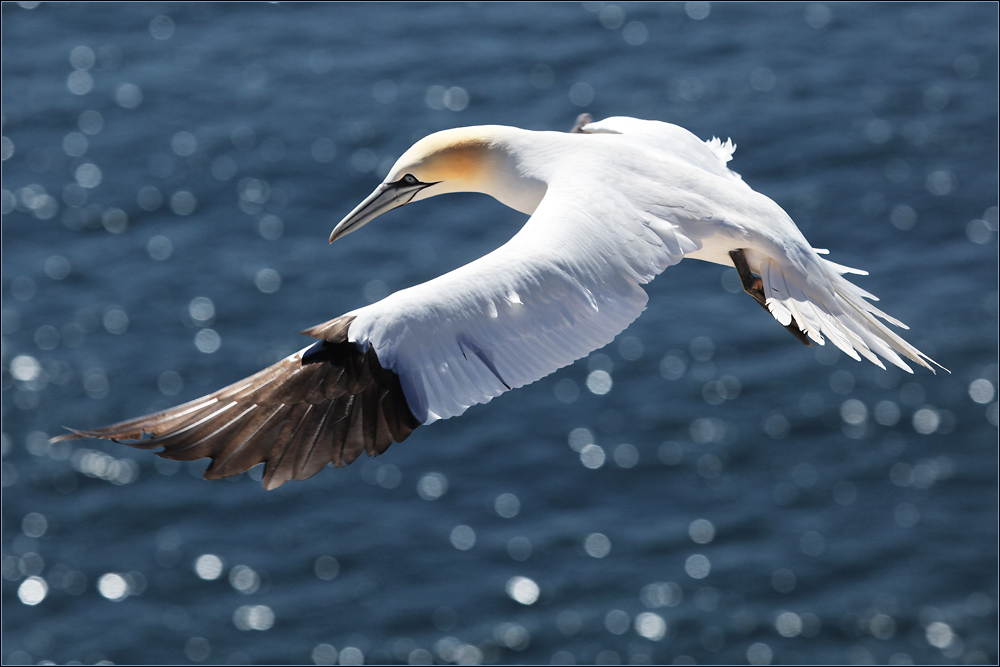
x=410 y=179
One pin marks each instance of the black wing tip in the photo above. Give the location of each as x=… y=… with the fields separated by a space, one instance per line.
x=72 y=435
x=363 y=404
x=106 y=433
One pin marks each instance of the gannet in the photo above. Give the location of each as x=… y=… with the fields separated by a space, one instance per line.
x=612 y=204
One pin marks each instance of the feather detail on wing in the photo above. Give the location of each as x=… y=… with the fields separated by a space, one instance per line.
x=807 y=288
x=673 y=141
x=325 y=404
x=837 y=310
x=565 y=285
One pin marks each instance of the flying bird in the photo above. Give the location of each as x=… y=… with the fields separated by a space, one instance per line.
x=612 y=204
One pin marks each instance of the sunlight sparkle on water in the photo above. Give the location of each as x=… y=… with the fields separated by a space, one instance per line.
x=256 y=617
x=580 y=438
x=661 y=594
x=599 y=382
x=701 y=531
x=698 y=566
x=326 y=568
x=244 y=579
x=788 y=624
x=651 y=626
x=981 y=391
x=507 y=505
x=32 y=590
x=432 y=486
x=463 y=538
x=113 y=586
x=208 y=567
x=523 y=590
x=759 y=654
x=511 y=635
x=597 y=545
x=592 y=456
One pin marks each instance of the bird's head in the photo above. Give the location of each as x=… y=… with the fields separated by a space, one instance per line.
x=447 y=161
x=471 y=159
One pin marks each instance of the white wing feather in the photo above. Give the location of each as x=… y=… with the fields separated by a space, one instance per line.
x=797 y=281
x=565 y=285
x=672 y=140
x=569 y=281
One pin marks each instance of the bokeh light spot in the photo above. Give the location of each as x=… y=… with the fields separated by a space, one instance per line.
x=128 y=96
x=160 y=248
x=523 y=590
x=697 y=566
x=256 y=617
x=32 y=591
x=651 y=626
x=626 y=456
x=244 y=579
x=208 y=567
x=617 y=622
x=326 y=568
x=324 y=654
x=34 y=525
x=161 y=27
x=113 y=586
x=597 y=545
x=507 y=505
x=432 y=486
x=701 y=531
x=463 y=538
x=267 y=281
x=939 y=635
x=981 y=391
x=592 y=456
x=759 y=654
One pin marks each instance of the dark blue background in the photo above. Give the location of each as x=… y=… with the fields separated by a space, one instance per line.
x=842 y=115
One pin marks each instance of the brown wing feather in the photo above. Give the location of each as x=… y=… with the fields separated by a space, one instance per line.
x=327 y=404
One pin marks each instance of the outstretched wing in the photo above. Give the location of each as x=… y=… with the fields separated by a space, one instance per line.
x=723 y=214
x=565 y=285
x=325 y=404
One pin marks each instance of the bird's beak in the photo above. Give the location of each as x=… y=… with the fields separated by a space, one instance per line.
x=385 y=198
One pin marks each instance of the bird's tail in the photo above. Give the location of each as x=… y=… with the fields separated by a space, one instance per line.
x=828 y=306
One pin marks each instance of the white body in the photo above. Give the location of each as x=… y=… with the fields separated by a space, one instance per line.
x=611 y=208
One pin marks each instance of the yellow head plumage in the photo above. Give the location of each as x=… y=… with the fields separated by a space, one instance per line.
x=458 y=156
x=470 y=159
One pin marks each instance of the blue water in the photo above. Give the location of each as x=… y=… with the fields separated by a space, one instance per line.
x=759 y=501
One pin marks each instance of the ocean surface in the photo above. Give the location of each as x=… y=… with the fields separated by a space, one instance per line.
x=703 y=490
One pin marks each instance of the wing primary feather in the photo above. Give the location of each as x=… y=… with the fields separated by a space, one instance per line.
x=369 y=416
x=326 y=403
x=383 y=436
x=244 y=450
x=305 y=438
x=354 y=440
x=198 y=441
x=280 y=466
x=338 y=435
x=317 y=451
